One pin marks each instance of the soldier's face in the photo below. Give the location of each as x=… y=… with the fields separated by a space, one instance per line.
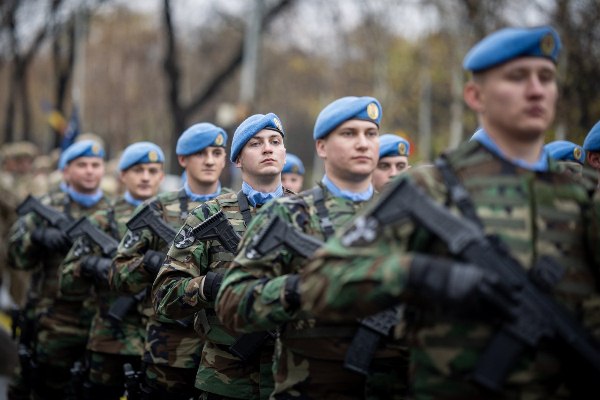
x=143 y=180
x=387 y=168
x=292 y=181
x=516 y=99
x=351 y=151
x=205 y=167
x=85 y=173
x=263 y=154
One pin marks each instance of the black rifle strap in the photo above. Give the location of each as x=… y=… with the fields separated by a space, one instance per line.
x=112 y=224
x=323 y=214
x=457 y=192
x=244 y=207
x=67 y=205
x=183 y=204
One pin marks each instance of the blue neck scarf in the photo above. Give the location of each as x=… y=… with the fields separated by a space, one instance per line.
x=63 y=186
x=200 y=198
x=132 y=200
x=541 y=165
x=346 y=194
x=259 y=198
x=85 y=200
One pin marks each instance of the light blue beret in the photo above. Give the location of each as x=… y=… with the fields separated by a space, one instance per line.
x=509 y=43
x=393 y=145
x=198 y=137
x=250 y=127
x=293 y=164
x=592 y=140
x=566 y=151
x=84 y=148
x=341 y=110
x=141 y=153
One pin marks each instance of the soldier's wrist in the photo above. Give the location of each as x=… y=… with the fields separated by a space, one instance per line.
x=290 y=296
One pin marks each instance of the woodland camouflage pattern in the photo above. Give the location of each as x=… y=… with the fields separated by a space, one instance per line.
x=176 y=294
x=63 y=332
x=168 y=344
x=106 y=336
x=309 y=354
x=534 y=214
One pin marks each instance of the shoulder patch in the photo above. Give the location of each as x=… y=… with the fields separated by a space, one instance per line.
x=185 y=238
x=130 y=239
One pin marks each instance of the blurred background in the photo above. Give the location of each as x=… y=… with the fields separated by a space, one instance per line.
x=147 y=69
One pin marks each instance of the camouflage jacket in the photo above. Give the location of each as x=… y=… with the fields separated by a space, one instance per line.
x=23 y=254
x=535 y=214
x=106 y=336
x=176 y=291
x=167 y=342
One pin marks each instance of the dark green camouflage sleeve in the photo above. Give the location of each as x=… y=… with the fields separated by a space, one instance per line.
x=176 y=290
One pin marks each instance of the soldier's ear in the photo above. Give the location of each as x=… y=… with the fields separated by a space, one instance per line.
x=593 y=159
x=320 y=147
x=182 y=161
x=473 y=96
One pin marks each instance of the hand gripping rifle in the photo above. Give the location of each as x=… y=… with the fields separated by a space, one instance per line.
x=537 y=316
x=83 y=227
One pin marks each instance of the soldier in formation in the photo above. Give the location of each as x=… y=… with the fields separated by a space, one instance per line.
x=233 y=366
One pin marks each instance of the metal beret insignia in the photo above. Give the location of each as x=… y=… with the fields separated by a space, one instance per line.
x=219 y=140
x=547 y=45
x=95 y=149
x=277 y=123
x=577 y=153
x=295 y=169
x=152 y=156
x=372 y=111
x=401 y=149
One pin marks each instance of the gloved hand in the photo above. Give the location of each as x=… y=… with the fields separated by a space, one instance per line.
x=96 y=268
x=463 y=289
x=212 y=283
x=153 y=260
x=51 y=238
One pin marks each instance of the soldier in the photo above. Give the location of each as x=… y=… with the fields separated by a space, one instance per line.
x=591 y=145
x=292 y=176
x=172 y=349
x=469 y=243
x=571 y=156
x=393 y=159
x=113 y=341
x=189 y=280
x=62 y=325
x=310 y=355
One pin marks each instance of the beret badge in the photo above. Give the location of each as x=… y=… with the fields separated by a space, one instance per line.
x=219 y=140
x=547 y=44
x=577 y=153
x=277 y=123
x=152 y=156
x=95 y=149
x=372 y=111
x=401 y=149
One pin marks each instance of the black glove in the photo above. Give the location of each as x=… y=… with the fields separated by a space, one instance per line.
x=51 y=238
x=153 y=260
x=212 y=283
x=463 y=289
x=96 y=268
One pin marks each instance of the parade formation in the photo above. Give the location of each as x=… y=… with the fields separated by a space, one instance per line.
x=474 y=277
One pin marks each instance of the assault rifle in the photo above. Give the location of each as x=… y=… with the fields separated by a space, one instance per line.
x=54 y=218
x=364 y=344
x=538 y=316
x=83 y=227
x=215 y=227
x=148 y=218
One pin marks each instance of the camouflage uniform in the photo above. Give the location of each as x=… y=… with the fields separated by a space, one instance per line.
x=176 y=295
x=112 y=343
x=172 y=349
x=535 y=214
x=309 y=354
x=62 y=324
